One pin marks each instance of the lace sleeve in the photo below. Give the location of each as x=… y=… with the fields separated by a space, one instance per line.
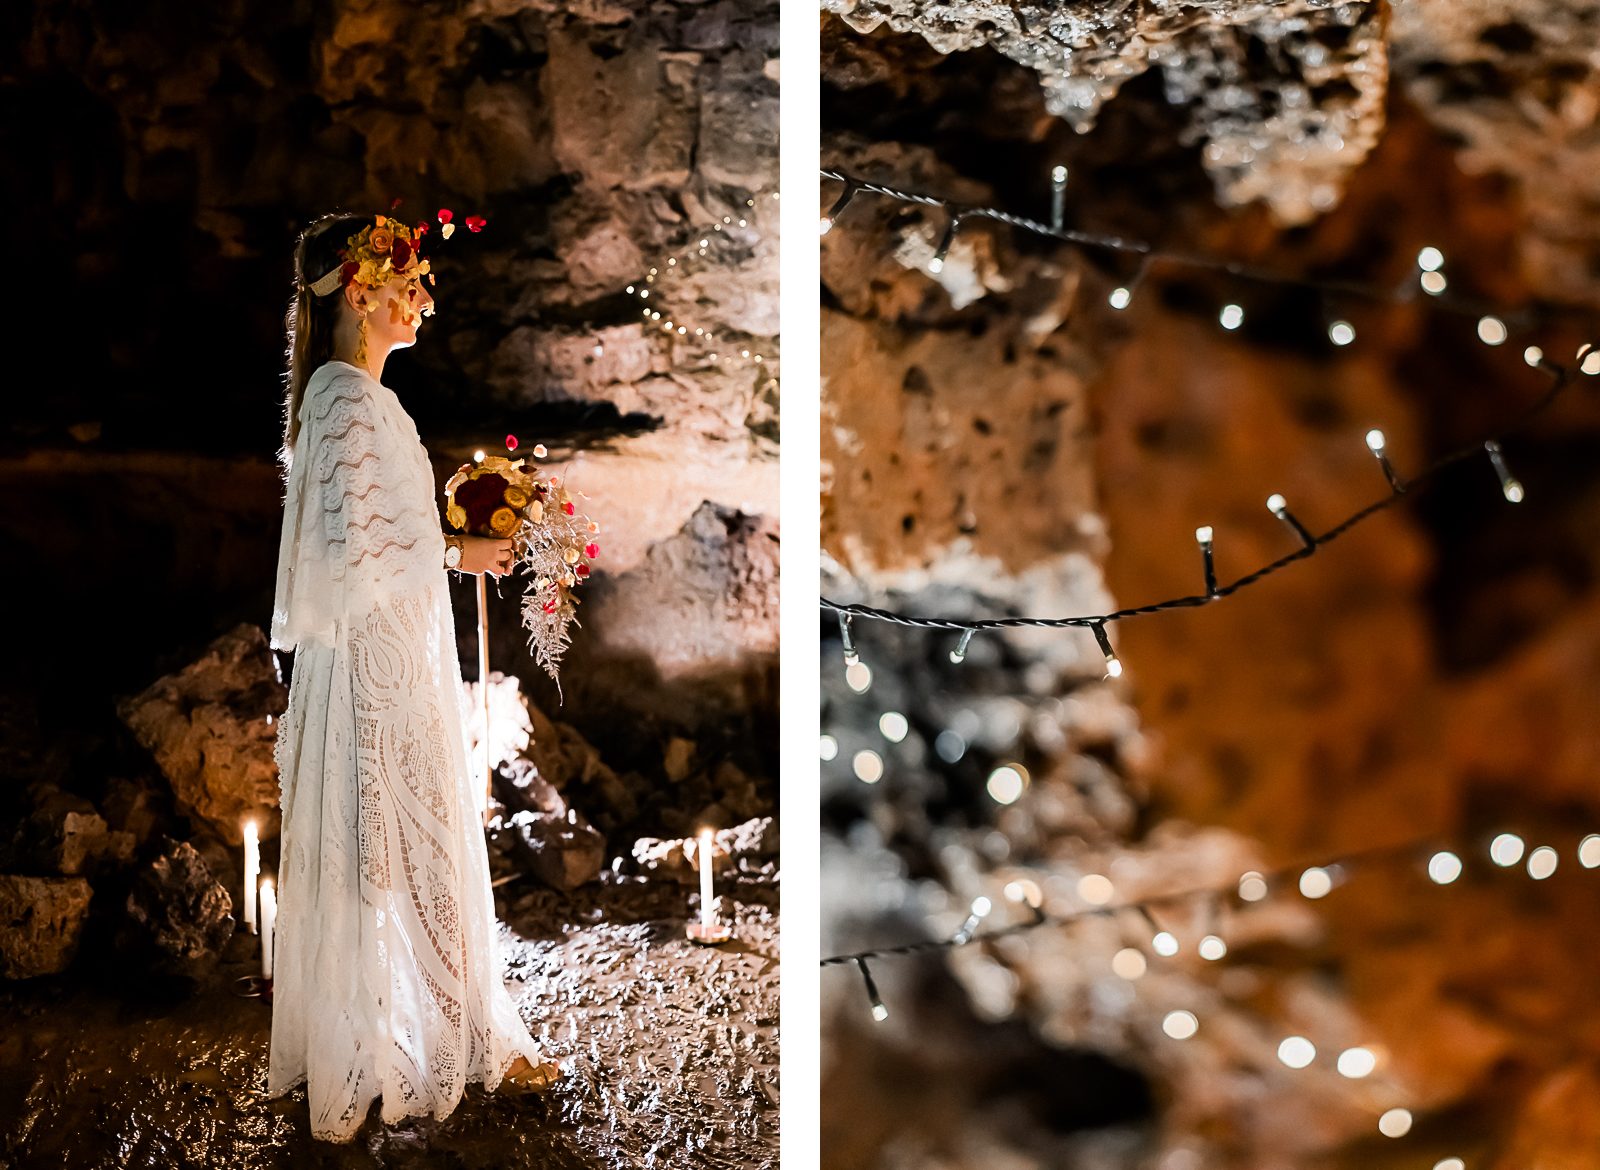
x=379 y=520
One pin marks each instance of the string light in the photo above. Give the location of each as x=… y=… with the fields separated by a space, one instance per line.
x=979 y=910
x=1589 y=359
x=1212 y=947
x=1164 y=943
x=1252 y=887
x=1444 y=867
x=829 y=748
x=894 y=726
x=1506 y=850
x=1096 y=889
x=868 y=766
x=1122 y=296
x=1202 y=537
x=1316 y=882
x=1378 y=446
x=1434 y=283
x=1180 y=1024
x=1589 y=851
x=879 y=1011
x=1113 y=665
x=1129 y=963
x=1297 y=1052
x=847 y=637
x=1279 y=507
x=1491 y=330
x=1430 y=259
x=1510 y=486
x=1533 y=355
x=1341 y=333
x=959 y=654
x=1058 y=198
x=1232 y=316
x=1356 y=1063
x=936 y=265
x=1005 y=784
x=1395 y=1123
x=1542 y=863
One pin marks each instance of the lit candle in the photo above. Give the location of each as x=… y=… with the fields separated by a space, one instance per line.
x=269 y=919
x=704 y=860
x=252 y=873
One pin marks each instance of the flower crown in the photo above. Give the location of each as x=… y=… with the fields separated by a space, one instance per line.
x=384 y=249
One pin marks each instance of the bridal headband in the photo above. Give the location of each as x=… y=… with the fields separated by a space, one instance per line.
x=384 y=249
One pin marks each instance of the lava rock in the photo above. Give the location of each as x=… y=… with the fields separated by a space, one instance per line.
x=179 y=911
x=211 y=728
x=41 y=920
x=562 y=851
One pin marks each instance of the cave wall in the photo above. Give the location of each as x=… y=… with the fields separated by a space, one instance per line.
x=160 y=163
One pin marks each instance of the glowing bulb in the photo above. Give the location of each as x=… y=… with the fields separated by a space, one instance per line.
x=1542 y=863
x=1449 y=1164
x=1212 y=947
x=1506 y=849
x=1589 y=851
x=1113 y=666
x=829 y=748
x=1491 y=330
x=1356 y=1063
x=1533 y=355
x=1059 y=175
x=644 y=294
x=879 y=1012
x=959 y=654
x=894 y=726
x=1396 y=1123
x=868 y=766
x=1276 y=504
x=1252 y=887
x=630 y=289
x=1434 y=283
x=1430 y=259
x=1203 y=535
x=477 y=456
x=1023 y=890
x=936 y=264
x=949 y=746
x=1444 y=868
x=1232 y=316
x=1128 y=963
x=1297 y=1052
x=1095 y=889
x=1120 y=298
x=858 y=677
x=1589 y=362
x=1180 y=1025
x=1375 y=441
x=1005 y=784
x=827 y=226
x=1316 y=882
x=1341 y=333
x=1165 y=944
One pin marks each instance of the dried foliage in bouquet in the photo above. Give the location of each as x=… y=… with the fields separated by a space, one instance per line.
x=503 y=497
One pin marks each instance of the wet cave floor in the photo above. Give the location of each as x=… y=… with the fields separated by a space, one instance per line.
x=673 y=1050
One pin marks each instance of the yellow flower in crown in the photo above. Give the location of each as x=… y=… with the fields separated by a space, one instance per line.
x=384 y=249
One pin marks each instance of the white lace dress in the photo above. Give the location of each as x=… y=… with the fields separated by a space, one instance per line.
x=386 y=977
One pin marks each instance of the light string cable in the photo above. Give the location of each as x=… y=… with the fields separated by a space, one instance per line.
x=969 y=935
x=1491 y=329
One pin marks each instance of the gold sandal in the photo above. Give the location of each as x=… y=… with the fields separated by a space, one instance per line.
x=532 y=1080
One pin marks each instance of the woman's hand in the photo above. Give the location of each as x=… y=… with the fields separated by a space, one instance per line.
x=486 y=554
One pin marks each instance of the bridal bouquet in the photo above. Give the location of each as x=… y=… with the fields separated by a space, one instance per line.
x=503 y=497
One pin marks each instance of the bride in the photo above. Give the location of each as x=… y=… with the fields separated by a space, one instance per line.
x=386 y=974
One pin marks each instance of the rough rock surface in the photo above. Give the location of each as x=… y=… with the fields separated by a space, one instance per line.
x=740 y=849
x=211 y=729
x=564 y=851
x=41 y=920
x=178 y=913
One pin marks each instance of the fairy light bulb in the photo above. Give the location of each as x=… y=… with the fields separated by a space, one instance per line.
x=1005 y=783
x=1316 y=882
x=1121 y=297
x=1434 y=283
x=1589 y=360
x=1164 y=943
x=828 y=748
x=1129 y=963
x=1113 y=664
x=959 y=654
x=1212 y=947
x=894 y=726
x=1589 y=851
x=1378 y=445
x=833 y=213
x=1279 y=507
x=848 y=638
x=936 y=265
x=1180 y=1024
x=1506 y=850
x=1058 y=198
x=1202 y=537
x=879 y=1012
x=1395 y=1123
x=1542 y=863
x=1444 y=867
x=1491 y=330
x=1232 y=316
x=1341 y=333
x=1252 y=887
x=867 y=766
x=1297 y=1052
x=1430 y=259
x=1096 y=889
x=1510 y=485
x=1533 y=355
x=477 y=456
x=1355 y=1063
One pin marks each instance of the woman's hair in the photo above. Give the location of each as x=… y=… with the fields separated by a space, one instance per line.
x=311 y=318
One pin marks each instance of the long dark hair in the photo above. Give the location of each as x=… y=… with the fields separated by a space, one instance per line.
x=311 y=318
